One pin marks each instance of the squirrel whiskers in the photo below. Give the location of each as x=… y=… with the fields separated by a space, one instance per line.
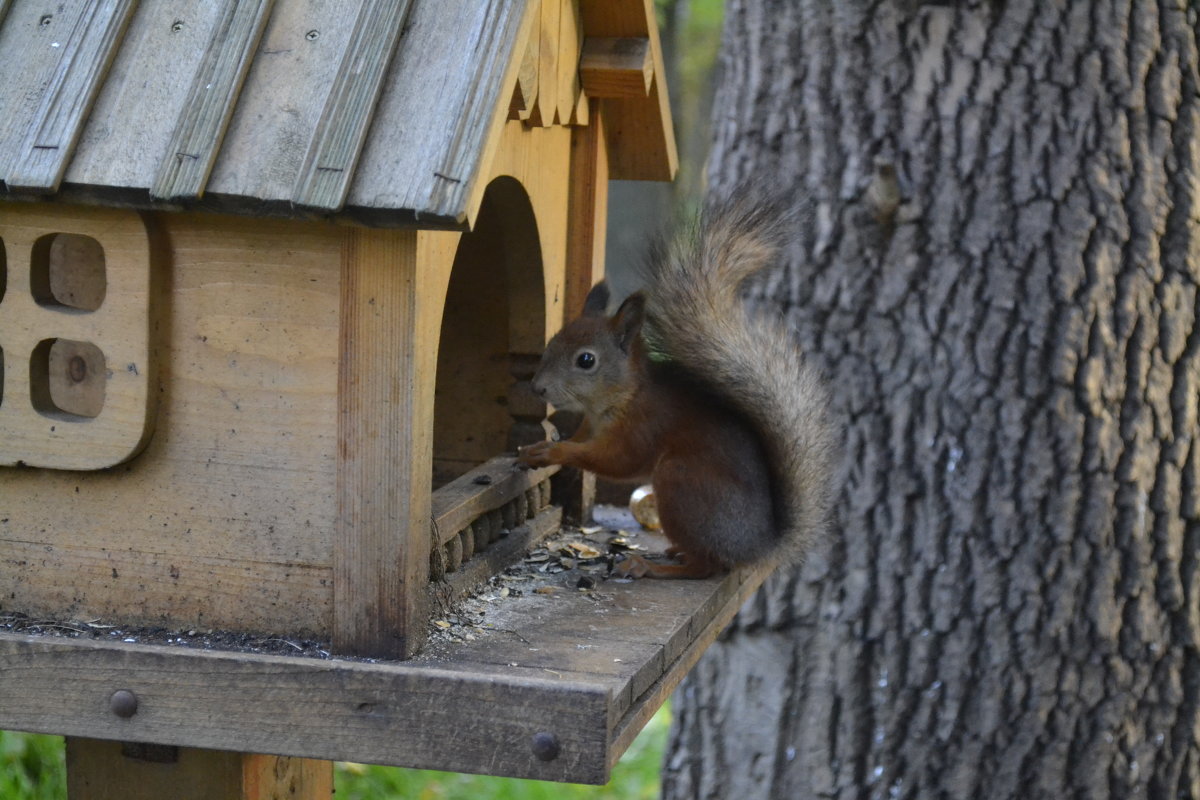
x=717 y=408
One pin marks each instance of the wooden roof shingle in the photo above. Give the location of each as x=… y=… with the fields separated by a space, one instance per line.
x=376 y=110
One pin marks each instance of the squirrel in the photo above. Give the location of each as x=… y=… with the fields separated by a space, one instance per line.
x=715 y=407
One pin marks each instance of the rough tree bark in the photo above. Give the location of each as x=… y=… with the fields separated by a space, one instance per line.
x=1001 y=283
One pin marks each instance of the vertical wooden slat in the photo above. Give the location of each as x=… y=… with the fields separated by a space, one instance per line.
x=324 y=178
x=587 y=223
x=214 y=91
x=587 y=214
x=106 y=770
x=87 y=54
x=570 y=43
x=547 y=32
x=393 y=288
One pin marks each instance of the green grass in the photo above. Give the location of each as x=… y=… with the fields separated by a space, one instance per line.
x=32 y=768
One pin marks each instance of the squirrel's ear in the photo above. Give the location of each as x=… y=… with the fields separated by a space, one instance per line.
x=627 y=322
x=596 y=303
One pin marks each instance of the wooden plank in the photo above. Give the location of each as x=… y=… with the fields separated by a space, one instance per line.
x=85 y=57
x=616 y=67
x=591 y=669
x=627 y=729
x=486 y=487
x=340 y=134
x=224 y=519
x=640 y=134
x=128 y=132
x=461 y=91
x=339 y=710
x=570 y=42
x=189 y=158
x=27 y=36
x=393 y=288
x=281 y=102
x=107 y=770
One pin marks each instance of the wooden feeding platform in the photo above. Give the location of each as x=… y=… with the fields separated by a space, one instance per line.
x=553 y=683
x=274 y=280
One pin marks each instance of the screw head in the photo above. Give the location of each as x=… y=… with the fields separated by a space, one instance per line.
x=313 y=35
x=123 y=703
x=545 y=746
x=77 y=369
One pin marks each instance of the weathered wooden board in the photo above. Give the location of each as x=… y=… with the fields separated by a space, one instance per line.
x=140 y=109
x=442 y=164
x=589 y=671
x=333 y=152
x=84 y=56
x=342 y=710
x=184 y=168
x=282 y=100
x=28 y=35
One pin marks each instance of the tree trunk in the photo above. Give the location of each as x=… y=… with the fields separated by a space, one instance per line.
x=1001 y=283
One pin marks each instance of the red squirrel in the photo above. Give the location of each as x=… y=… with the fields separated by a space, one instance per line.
x=716 y=408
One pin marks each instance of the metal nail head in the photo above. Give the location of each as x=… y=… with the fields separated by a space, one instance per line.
x=123 y=703
x=545 y=746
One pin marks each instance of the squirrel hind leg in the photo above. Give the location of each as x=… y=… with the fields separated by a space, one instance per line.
x=714 y=518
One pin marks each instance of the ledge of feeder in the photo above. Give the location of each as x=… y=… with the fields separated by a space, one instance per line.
x=548 y=672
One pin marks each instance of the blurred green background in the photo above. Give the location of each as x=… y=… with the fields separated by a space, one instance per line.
x=31 y=766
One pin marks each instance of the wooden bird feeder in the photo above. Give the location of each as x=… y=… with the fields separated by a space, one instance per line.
x=274 y=277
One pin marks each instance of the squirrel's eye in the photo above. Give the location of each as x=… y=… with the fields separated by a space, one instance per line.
x=585 y=360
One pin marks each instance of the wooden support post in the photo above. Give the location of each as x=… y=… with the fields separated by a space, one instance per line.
x=587 y=211
x=393 y=291
x=104 y=770
x=587 y=225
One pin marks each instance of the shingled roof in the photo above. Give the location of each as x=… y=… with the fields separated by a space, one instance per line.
x=376 y=110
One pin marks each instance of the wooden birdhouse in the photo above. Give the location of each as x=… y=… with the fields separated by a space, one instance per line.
x=274 y=277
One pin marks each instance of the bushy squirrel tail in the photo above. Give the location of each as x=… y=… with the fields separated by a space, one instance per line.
x=697 y=319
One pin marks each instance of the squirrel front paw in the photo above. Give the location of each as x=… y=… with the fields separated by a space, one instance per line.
x=535 y=455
